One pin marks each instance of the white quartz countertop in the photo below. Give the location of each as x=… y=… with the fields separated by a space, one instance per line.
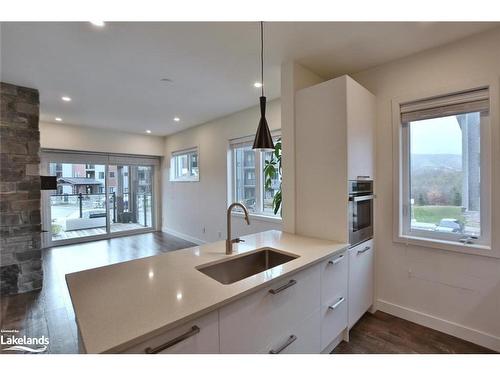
x=123 y=304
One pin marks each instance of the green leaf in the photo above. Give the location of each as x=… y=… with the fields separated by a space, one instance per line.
x=277 y=201
x=277 y=148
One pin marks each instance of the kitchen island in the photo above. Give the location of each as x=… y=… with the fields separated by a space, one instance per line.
x=139 y=305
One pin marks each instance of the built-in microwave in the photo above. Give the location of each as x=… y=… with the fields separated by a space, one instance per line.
x=360 y=211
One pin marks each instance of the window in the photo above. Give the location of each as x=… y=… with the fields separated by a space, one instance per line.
x=184 y=166
x=112 y=198
x=444 y=178
x=247 y=177
x=244 y=177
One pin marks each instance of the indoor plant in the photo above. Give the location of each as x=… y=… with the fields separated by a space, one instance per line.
x=272 y=168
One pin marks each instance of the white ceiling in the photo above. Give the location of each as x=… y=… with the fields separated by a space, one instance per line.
x=113 y=74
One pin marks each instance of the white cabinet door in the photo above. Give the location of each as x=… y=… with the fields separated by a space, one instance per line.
x=334 y=277
x=333 y=297
x=360 y=131
x=250 y=324
x=333 y=320
x=360 y=280
x=303 y=338
x=321 y=160
x=199 y=336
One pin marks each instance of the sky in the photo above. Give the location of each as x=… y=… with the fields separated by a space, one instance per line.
x=436 y=136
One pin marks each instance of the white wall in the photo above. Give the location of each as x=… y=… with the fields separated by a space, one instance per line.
x=188 y=207
x=457 y=293
x=84 y=138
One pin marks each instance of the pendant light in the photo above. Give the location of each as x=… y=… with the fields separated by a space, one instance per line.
x=263 y=140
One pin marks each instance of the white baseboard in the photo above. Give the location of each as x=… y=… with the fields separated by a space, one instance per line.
x=451 y=328
x=183 y=236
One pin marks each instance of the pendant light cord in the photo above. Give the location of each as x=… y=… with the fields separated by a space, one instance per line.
x=262 y=56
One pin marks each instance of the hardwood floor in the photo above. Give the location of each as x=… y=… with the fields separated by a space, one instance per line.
x=381 y=333
x=49 y=312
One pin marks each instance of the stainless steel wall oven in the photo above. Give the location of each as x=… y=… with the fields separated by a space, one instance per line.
x=360 y=211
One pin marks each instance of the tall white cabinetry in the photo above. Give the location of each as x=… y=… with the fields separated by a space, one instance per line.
x=334 y=132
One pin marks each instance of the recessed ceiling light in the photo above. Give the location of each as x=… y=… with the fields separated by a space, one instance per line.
x=58 y=119
x=148 y=131
x=257 y=84
x=98 y=23
x=177 y=119
x=66 y=98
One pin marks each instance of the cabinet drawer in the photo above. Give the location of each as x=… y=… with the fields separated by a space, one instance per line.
x=334 y=277
x=196 y=337
x=303 y=338
x=248 y=325
x=333 y=319
x=360 y=280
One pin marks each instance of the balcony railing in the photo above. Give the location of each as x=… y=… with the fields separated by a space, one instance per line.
x=92 y=209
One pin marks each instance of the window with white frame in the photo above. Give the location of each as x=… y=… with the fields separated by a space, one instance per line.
x=184 y=165
x=247 y=180
x=444 y=174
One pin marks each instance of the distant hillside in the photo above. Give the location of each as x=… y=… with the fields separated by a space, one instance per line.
x=436 y=161
x=437 y=179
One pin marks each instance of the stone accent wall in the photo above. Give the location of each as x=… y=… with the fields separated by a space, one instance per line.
x=20 y=223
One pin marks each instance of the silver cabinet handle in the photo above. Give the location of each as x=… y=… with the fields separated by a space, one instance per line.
x=361 y=198
x=338 y=260
x=283 y=287
x=365 y=249
x=193 y=331
x=288 y=342
x=337 y=304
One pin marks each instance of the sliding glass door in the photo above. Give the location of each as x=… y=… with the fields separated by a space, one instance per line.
x=97 y=196
x=78 y=207
x=130 y=197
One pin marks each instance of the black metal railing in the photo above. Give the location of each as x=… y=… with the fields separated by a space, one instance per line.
x=143 y=205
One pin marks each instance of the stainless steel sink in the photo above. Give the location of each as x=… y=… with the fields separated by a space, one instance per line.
x=240 y=267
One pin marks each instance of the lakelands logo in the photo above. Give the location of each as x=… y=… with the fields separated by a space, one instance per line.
x=23 y=343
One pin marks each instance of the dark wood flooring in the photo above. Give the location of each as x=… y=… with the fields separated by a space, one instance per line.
x=381 y=333
x=49 y=312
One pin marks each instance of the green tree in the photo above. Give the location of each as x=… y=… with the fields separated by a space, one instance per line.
x=456 y=197
x=421 y=200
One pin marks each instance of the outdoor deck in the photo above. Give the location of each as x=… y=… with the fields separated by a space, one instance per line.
x=115 y=227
